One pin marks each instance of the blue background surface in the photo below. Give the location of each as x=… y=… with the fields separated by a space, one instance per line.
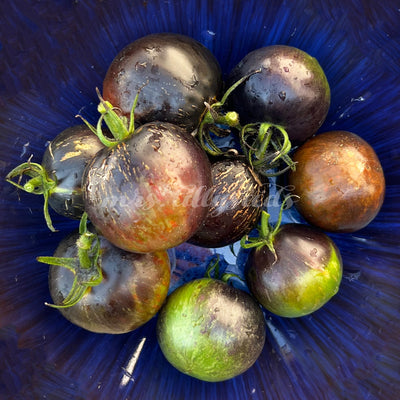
x=52 y=56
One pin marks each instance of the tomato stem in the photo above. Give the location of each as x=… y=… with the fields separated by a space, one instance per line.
x=266 y=232
x=236 y=84
x=213 y=119
x=262 y=136
x=118 y=126
x=98 y=131
x=39 y=184
x=256 y=139
x=213 y=271
x=213 y=268
x=85 y=266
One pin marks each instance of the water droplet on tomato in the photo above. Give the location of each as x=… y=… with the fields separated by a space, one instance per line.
x=314 y=252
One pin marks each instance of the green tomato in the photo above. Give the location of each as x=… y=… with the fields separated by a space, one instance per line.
x=210 y=330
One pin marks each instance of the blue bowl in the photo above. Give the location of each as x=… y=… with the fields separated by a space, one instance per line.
x=53 y=54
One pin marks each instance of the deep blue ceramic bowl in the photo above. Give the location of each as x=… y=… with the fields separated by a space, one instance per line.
x=52 y=56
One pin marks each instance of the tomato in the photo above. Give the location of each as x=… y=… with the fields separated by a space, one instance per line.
x=210 y=330
x=174 y=73
x=58 y=177
x=290 y=90
x=148 y=192
x=132 y=289
x=295 y=272
x=237 y=197
x=339 y=181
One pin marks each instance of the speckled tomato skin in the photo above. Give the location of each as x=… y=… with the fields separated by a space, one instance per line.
x=210 y=330
x=64 y=160
x=291 y=90
x=149 y=192
x=175 y=74
x=303 y=276
x=133 y=288
x=339 y=181
x=237 y=198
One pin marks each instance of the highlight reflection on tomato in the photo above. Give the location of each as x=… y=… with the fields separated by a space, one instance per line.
x=149 y=192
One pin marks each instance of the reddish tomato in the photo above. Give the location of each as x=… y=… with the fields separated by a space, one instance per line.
x=339 y=181
x=149 y=192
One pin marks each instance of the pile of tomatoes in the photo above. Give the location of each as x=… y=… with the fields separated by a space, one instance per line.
x=180 y=155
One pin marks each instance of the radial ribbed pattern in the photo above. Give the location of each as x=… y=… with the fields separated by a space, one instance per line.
x=53 y=54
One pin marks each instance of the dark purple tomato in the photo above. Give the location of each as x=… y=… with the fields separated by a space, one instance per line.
x=303 y=274
x=237 y=197
x=64 y=160
x=150 y=191
x=174 y=73
x=133 y=288
x=291 y=90
x=210 y=330
x=339 y=181
x=59 y=175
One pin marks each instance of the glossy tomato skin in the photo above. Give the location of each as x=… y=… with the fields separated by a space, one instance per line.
x=64 y=160
x=176 y=75
x=237 y=198
x=305 y=273
x=210 y=330
x=133 y=288
x=339 y=181
x=291 y=90
x=149 y=192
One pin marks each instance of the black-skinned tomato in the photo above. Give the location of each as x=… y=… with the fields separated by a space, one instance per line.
x=58 y=178
x=290 y=90
x=237 y=198
x=107 y=290
x=174 y=73
x=339 y=181
x=211 y=330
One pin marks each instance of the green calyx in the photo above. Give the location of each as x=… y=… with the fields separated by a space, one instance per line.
x=213 y=271
x=85 y=266
x=120 y=127
x=266 y=145
x=213 y=119
x=39 y=183
x=266 y=232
